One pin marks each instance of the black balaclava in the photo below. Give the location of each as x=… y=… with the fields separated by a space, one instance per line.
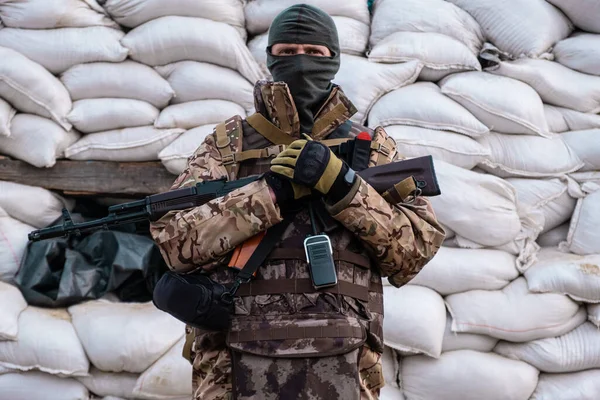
x=308 y=77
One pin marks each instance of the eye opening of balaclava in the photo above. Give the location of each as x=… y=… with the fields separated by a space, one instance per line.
x=308 y=77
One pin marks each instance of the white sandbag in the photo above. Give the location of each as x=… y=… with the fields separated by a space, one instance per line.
x=7 y=112
x=13 y=304
x=376 y=80
x=13 y=242
x=584 y=385
x=414 y=320
x=514 y=313
x=423 y=104
x=465 y=341
x=594 y=314
x=46 y=342
x=124 y=336
x=390 y=16
x=175 y=156
x=450 y=147
x=390 y=366
x=196 y=113
x=554 y=237
x=57 y=50
x=193 y=81
x=519 y=28
x=562 y=119
x=44 y=14
x=556 y=84
x=502 y=104
x=109 y=383
x=130 y=144
x=170 y=39
x=260 y=13
x=37 y=140
x=126 y=80
x=391 y=393
x=168 y=378
x=528 y=156
x=584 y=230
x=468 y=198
x=460 y=270
x=467 y=375
x=40 y=386
x=441 y=55
x=586 y=144
x=577 y=350
x=580 y=52
x=583 y=177
x=30 y=88
x=583 y=13
x=570 y=274
x=96 y=115
x=556 y=120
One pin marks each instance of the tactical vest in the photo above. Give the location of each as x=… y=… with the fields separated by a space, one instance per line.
x=283 y=329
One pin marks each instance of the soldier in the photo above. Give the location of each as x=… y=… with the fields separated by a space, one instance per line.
x=288 y=340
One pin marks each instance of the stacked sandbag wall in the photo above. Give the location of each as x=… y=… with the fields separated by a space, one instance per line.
x=504 y=95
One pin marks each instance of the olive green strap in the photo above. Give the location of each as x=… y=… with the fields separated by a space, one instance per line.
x=326 y=120
x=268 y=130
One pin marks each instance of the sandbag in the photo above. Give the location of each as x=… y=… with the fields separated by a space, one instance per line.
x=168 y=378
x=562 y=119
x=554 y=237
x=460 y=270
x=502 y=104
x=584 y=177
x=46 y=342
x=580 y=52
x=7 y=112
x=126 y=337
x=109 y=383
x=130 y=144
x=41 y=386
x=57 y=50
x=577 y=350
x=96 y=115
x=594 y=314
x=514 y=313
x=468 y=198
x=586 y=144
x=175 y=156
x=583 y=13
x=414 y=321
x=193 y=81
x=376 y=80
x=390 y=366
x=441 y=55
x=391 y=393
x=31 y=89
x=584 y=385
x=450 y=147
x=44 y=14
x=528 y=156
x=170 y=39
x=584 y=230
x=556 y=84
x=13 y=304
x=570 y=274
x=422 y=104
x=519 y=28
x=37 y=141
x=126 y=80
x=13 y=242
x=467 y=375
x=465 y=341
x=196 y=113
x=260 y=13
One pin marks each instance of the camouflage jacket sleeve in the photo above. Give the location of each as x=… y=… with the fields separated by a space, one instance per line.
x=199 y=236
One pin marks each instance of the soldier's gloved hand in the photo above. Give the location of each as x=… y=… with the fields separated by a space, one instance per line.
x=285 y=190
x=312 y=164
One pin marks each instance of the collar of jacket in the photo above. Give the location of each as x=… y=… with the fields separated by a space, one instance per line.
x=274 y=101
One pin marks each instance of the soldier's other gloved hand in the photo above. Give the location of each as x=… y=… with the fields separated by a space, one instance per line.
x=312 y=164
x=285 y=190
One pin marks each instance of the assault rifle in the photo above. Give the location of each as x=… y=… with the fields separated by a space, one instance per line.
x=381 y=178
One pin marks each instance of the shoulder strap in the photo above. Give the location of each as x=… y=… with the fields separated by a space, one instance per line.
x=228 y=137
x=268 y=130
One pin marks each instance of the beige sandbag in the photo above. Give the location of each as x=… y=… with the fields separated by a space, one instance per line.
x=583 y=13
x=170 y=39
x=96 y=115
x=13 y=304
x=586 y=144
x=41 y=386
x=376 y=80
x=129 y=144
x=465 y=341
x=30 y=88
x=109 y=383
x=554 y=237
x=13 y=242
x=57 y=50
x=175 y=156
x=584 y=385
x=196 y=113
x=36 y=140
x=502 y=104
x=562 y=119
x=441 y=55
x=7 y=112
x=422 y=104
x=126 y=80
x=584 y=230
x=453 y=148
x=514 y=313
x=44 y=14
x=580 y=52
